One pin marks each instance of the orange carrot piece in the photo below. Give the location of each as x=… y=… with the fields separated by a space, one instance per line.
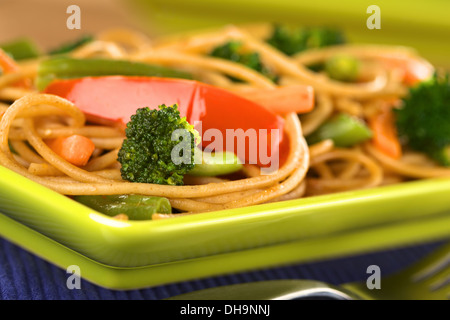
x=8 y=65
x=283 y=100
x=413 y=70
x=75 y=149
x=385 y=136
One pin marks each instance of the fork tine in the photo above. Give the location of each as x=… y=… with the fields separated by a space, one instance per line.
x=441 y=291
x=427 y=279
x=434 y=264
x=441 y=283
x=434 y=272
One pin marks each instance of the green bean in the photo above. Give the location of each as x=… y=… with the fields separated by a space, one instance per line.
x=70 y=46
x=136 y=207
x=342 y=68
x=216 y=164
x=442 y=155
x=344 y=129
x=62 y=67
x=21 y=49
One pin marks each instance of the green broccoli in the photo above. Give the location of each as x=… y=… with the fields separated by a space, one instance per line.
x=292 y=40
x=233 y=51
x=151 y=152
x=423 y=120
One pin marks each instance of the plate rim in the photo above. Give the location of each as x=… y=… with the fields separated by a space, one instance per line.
x=123 y=235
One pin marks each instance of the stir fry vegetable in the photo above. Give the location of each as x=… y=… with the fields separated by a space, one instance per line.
x=284 y=99
x=75 y=149
x=21 y=49
x=292 y=40
x=147 y=154
x=9 y=65
x=216 y=164
x=135 y=207
x=385 y=136
x=209 y=108
x=70 y=46
x=233 y=51
x=344 y=129
x=424 y=118
x=65 y=68
x=342 y=68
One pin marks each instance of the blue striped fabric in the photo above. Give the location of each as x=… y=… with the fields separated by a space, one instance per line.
x=24 y=276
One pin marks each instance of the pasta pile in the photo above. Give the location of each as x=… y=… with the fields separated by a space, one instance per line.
x=29 y=117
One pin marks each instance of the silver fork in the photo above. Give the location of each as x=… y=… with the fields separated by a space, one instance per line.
x=429 y=279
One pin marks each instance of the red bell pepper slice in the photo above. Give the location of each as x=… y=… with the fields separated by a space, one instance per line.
x=116 y=98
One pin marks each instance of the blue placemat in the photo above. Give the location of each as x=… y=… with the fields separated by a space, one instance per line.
x=25 y=276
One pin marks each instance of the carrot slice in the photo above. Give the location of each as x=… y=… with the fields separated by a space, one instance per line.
x=8 y=65
x=385 y=136
x=283 y=100
x=75 y=149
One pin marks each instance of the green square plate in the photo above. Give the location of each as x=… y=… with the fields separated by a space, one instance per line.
x=137 y=254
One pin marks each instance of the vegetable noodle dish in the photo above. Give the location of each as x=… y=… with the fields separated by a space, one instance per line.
x=143 y=128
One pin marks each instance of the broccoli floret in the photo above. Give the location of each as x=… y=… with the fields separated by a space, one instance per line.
x=151 y=153
x=292 y=40
x=233 y=51
x=423 y=120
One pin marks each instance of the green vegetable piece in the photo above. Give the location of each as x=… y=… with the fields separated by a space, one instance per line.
x=216 y=164
x=70 y=46
x=344 y=129
x=343 y=68
x=136 y=207
x=423 y=120
x=61 y=67
x=21 y=49
x=149 y=154
x=292 y=40
x=442 y=156
x=233 y=51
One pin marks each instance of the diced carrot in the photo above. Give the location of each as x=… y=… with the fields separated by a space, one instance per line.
x=75 y=149
x=284 y=99
x=384 y=131
x=8 y=65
